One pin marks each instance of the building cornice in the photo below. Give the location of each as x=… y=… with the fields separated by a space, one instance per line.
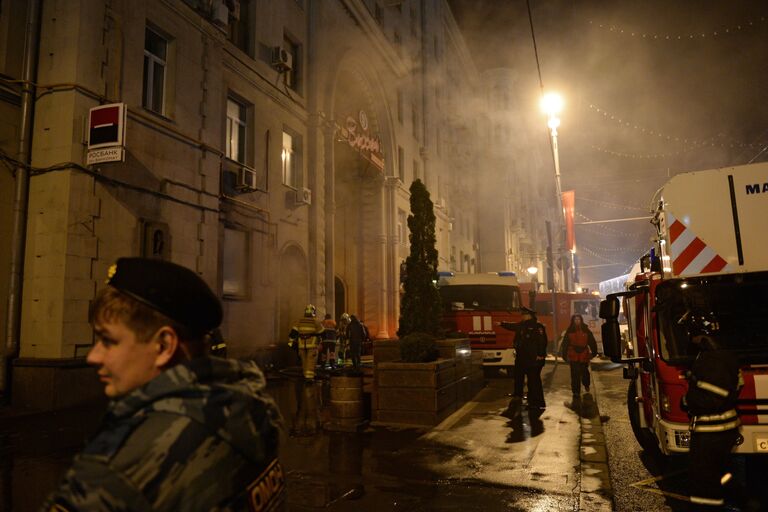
x=370 y=27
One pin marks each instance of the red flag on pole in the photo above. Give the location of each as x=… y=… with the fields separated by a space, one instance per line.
x=569 y=205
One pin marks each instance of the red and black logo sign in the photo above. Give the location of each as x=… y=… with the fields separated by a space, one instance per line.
x=105 y=126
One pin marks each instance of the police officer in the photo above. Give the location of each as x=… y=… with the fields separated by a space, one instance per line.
x=306 y=336
x=178 y=419
x=530 y=354
x=713 y=387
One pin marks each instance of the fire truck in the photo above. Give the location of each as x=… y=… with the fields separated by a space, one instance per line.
x=473 y=307
x=568 y=304
x=710 y=256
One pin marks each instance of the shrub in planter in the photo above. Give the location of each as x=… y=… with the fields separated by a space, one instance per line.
x=418 y=347
x=420 y=307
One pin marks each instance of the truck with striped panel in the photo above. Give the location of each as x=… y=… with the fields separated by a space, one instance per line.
x=710 y=255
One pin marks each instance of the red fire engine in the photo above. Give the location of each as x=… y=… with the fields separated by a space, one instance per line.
x=473 y=307
x=568 y=304
x=710 y=256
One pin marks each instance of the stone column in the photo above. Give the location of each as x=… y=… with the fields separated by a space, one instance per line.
x=328 y=131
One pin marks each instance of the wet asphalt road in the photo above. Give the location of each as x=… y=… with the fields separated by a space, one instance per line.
x=475 y=460
x=648 y=482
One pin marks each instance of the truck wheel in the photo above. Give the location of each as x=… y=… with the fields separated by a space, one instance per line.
x=645 y=437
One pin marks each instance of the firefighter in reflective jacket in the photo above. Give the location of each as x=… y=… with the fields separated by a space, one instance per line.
x=305 y=337
x=713 y=387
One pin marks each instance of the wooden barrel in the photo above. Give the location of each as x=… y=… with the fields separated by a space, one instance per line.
x=347 y=399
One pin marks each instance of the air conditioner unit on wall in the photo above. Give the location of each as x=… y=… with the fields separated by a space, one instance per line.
x=220 y=13
x=246 y=179
x=282 y=60
x=303 y=196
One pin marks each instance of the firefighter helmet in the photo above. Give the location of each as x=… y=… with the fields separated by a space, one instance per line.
x=702 y=323
x=310 y=311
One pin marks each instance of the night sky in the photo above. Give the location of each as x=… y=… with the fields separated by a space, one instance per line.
x=652 y=89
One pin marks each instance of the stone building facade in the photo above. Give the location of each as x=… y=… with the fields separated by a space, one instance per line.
x=269 y=146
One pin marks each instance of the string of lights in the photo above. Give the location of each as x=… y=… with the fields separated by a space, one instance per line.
x=639 y=155
x=695 y=142
x=596 y=255
x=651 y=36
x=596 y=248
x=612 y=205
x=605 y=230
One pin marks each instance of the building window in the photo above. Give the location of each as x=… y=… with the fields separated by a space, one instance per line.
x=414 y=22
x=416 y=170
x=415 y=120
x=401 y=164
x=235 y=262
x=402 y=227
x=240 y=25
x=236 y=130
x=291 y=157
x=292 y=76
x=378 y=13
x=155 y=55
x=400 y=106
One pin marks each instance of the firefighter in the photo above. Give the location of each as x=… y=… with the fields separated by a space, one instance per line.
x=343 y=341
x=328 y=355
x=306 y=337
x=713 y=387
x=530 y=354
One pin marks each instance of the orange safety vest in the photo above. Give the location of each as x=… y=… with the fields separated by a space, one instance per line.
x=578 y=347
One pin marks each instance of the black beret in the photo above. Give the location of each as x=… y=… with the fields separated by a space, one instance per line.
x=173 y=290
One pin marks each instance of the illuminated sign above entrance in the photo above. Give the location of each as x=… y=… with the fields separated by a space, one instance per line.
x=355 y=133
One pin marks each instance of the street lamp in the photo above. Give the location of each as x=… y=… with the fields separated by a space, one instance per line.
x=551 y=104
x=532 y=270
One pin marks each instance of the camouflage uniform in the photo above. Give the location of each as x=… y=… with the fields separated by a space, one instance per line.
x=202 y=435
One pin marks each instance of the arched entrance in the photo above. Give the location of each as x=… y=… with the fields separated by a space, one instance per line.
x=340 y=296
x=359 y=216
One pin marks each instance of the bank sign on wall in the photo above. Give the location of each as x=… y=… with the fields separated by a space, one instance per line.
x=106 y=134
x=356 y=133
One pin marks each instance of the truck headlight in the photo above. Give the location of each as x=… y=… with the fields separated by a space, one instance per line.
x=665 y=405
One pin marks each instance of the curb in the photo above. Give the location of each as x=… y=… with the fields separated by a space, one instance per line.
x=595 y=491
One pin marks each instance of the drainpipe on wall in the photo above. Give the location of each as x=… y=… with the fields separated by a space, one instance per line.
x=10 y=349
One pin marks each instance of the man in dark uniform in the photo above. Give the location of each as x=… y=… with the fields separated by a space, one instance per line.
x=713 y=387
x=530 y=353
x=184 y=431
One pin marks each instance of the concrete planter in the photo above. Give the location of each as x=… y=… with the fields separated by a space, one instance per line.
x=423 y=394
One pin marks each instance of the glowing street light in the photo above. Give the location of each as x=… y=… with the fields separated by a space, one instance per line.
x=532 y=270
x=551 y=103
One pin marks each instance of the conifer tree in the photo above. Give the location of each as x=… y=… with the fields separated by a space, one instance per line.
x=420 y=305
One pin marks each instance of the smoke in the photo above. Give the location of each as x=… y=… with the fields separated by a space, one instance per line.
x=652 y=89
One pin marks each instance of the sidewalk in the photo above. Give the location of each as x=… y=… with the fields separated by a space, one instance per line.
x=475 y=459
